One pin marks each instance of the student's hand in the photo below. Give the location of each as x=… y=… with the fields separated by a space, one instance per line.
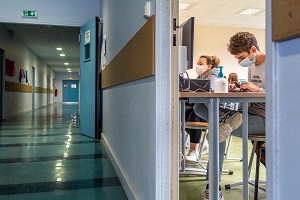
x=249 y=86
x=232 y=87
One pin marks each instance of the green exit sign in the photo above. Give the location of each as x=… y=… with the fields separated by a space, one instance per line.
x=30 y=14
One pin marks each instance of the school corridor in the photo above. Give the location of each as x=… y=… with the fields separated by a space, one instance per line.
x=44 y=156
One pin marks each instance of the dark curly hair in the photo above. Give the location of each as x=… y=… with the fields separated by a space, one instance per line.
x=242 y=42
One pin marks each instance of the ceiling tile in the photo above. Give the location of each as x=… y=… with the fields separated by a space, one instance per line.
x=228 y=9
x=240 y=3
x=189 y=1
x=204 y=7
x=258 y=4
x=213 y=2
x=195 y=14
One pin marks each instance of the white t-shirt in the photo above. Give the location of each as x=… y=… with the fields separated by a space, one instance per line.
x=257 y=76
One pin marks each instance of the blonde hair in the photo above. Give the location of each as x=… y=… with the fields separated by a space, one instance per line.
x=233 y=77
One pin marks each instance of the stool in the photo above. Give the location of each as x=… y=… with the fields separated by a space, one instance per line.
x=255 y=139
x=199 y=126
x=202 y=126
x=227 y=151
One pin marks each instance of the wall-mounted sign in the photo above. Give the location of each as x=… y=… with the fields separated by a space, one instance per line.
x=29 y=14
x=87 y=37
x=73 y=85
x=65 y=85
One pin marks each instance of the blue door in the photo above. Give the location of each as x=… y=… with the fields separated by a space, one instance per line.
x=70 y=90
x=1 y=79
x=90 y=95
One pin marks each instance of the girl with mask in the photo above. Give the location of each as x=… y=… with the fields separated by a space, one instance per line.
x=206 y=69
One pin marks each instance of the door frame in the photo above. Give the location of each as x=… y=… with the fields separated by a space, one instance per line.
x=2 y=80
x=33 y=87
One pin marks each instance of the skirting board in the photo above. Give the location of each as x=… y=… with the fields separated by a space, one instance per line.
x=124 y=179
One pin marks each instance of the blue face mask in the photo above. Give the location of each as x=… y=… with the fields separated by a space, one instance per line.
x=247 y=62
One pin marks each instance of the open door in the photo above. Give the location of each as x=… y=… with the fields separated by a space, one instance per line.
x=2 y=52
x=90 y=93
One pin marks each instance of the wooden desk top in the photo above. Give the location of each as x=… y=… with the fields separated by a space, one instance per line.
x=223 y=95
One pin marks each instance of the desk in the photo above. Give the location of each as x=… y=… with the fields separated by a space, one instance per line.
x=214 y=99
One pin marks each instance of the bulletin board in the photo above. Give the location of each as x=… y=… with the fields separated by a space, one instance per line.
x=135 y=61
x=285 y=19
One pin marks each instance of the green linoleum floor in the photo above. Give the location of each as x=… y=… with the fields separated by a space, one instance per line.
x=44 y=156
x=192 y=187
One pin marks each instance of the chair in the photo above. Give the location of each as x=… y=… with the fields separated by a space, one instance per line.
x=256 y=139
x=184 y=170
x=202 y=126
x=236 y=107
x=227 y=150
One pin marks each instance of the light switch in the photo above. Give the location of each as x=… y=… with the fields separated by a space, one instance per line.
x=147 y=12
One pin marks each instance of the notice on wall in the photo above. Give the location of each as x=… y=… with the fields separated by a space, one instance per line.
x=87 y=37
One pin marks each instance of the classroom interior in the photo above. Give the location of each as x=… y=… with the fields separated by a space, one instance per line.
x=212 y=40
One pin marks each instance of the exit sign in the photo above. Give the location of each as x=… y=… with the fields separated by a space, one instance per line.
x=29 y=14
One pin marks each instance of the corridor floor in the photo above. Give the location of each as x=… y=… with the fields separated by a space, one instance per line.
x=44 y=156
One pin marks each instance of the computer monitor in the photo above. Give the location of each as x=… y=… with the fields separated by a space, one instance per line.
x=186 y=38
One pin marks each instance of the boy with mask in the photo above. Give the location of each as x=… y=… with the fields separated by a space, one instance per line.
x=243 y=46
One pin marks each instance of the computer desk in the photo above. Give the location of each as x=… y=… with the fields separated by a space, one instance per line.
x=213 y=100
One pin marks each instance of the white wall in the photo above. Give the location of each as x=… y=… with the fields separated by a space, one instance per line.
x=211 y=40
x=17 y=102
x=137 y=136
x=59 y=77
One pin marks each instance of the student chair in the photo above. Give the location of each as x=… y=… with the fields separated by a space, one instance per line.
x=258 y=143
x=226 y=154
x=202 y=126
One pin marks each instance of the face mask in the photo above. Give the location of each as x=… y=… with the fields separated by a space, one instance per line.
x=247 y=62
x=200 y=69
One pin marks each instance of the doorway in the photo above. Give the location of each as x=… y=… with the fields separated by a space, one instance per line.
x=33 y=87
x=70 y=91
x=1 y=79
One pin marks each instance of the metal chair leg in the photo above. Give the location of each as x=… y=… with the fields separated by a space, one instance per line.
x=227 y=151
x=257 y=174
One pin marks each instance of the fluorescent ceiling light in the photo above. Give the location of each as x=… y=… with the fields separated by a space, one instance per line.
x=66 y=63
x=62 y=54
x=58 y=49
x=250 y=11
x=183 y=6
x=69 y=69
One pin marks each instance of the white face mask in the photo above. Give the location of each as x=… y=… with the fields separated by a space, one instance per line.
x=247 y=62
x=200 y=69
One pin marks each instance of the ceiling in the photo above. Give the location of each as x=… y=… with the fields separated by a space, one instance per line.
x=224 y=13
x=43 y=39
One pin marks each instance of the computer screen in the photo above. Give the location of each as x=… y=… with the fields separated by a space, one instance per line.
x=186 y=38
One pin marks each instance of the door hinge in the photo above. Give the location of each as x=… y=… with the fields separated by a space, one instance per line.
x=174 y=24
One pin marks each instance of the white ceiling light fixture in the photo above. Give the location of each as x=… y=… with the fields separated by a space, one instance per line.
x=66 y=63
x=183 y=6
x=58 y=49
x=69 y=69
x=62 y=54
x=251 y=11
